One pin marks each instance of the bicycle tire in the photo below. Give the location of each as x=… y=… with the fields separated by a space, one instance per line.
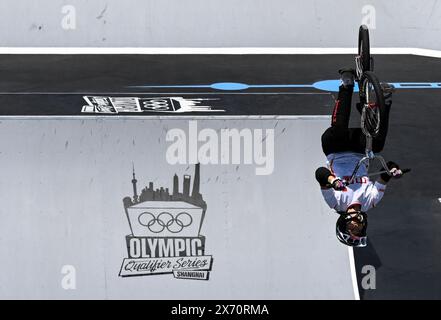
x=372 y=113
x=364 y=50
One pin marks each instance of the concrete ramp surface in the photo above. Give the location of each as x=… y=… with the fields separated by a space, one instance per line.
x=95 y=208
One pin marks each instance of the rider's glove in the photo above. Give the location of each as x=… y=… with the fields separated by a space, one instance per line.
x=394 y=169
x=338 y=184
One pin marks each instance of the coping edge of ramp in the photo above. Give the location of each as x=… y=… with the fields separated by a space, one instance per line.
x=353 y=273
x=230 y=50
x=156 y=117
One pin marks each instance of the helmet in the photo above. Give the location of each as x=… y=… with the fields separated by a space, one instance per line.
x=344 y=236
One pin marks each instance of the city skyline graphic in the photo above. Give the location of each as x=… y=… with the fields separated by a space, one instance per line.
x=149 y=193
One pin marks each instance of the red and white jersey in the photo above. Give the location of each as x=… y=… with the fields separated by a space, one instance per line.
x=362 y=192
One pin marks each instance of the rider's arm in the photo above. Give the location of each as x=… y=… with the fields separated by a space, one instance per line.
x=324 y=177
x=394 y=169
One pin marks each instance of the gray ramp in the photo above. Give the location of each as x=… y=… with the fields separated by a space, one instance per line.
x=63 y=182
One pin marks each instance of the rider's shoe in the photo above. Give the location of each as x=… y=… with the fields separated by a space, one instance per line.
x=387 y=89
x=347 y=76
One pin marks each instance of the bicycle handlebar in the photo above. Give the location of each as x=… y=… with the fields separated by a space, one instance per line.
x=404 y=171
x=387 y=171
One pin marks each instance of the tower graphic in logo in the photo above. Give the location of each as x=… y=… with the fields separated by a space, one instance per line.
x=165 y=231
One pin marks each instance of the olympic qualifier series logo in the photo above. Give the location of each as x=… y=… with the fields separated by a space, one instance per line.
x=165 y=231
x=115 y=105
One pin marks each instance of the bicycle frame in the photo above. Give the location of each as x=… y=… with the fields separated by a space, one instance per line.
x=369 y=154
x=358 y=67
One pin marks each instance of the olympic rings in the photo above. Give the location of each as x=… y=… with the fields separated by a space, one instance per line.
x=165 y=220
x=156 y=104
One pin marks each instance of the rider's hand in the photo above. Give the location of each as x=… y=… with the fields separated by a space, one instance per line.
x=394 y=170
x=338 y=184
x=396 y=173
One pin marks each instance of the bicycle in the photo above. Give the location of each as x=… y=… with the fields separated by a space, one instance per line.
x=372 y=104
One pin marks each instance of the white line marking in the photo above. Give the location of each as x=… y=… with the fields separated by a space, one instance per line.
x=163 y=93
x=155 y=117
x=245 y=50
x=439 y=199
x=353 y=273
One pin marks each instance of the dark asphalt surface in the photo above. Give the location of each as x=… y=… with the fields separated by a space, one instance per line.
x=405 y=242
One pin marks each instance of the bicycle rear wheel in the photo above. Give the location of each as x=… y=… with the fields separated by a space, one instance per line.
x=364 y=51
x=373 y=105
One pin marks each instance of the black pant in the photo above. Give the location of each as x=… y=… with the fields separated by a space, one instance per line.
x=340 y=138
